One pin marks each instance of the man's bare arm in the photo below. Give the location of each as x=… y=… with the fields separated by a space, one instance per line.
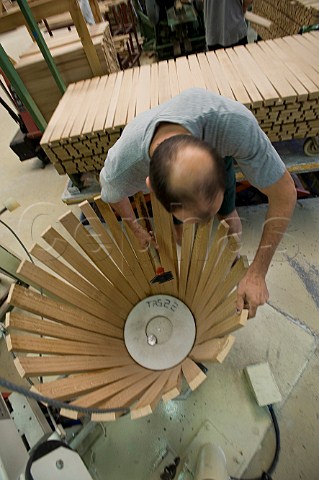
x=252 y=290
x=126 y=212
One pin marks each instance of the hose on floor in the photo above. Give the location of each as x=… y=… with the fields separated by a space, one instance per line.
x=267 y=475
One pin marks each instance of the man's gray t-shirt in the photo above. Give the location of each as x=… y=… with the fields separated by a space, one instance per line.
x=224 y=22
x=227 y=125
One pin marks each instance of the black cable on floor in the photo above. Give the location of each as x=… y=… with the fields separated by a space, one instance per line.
x=18 y=239
x=267 y=475
x=277 y=433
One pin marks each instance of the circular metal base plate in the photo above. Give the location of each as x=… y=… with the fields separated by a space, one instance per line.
x=159 y=332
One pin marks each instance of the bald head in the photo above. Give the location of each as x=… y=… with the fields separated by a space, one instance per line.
x=190 y=166
x=186 y=172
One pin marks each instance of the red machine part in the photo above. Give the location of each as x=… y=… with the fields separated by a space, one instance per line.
x=31 y=128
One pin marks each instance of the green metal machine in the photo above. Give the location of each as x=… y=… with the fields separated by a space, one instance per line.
x=171 y=28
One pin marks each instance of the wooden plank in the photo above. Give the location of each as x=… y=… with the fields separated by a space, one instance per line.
x=61 y=53
x=149 y=400
x=112 y=222
x=164 y=89
x=79 y=384
x=70 y=275
x=228 y=325
x=209 y=79
x=167 y=222
x=220 y=272
x=123 y=244
x=133 y=95
x=143 y=96
x=32 y=344
x=109 y=122
x=303 y=50
x=103 y=100
x=163 y=224
x=76 y=109
x=126 y=260
x=97 y=102
x=183 y=74
x=196 y=73
x=258 y=19
x=87 y=270
x=125 y=397
x=101 y=232
x=309 y=42
x=215 y=251
x=48 y=366
x=66 y=57
x=193 y=374
x=261 y=82
x=40 y=9
x=296 y=66
x=312 y=37
x=123 y=293
x=198 y=259
x=214 y=350
x=95 y=8
x=154 y=85
x=67 y=39
x=272 y=69
x=104 y=393
x=226 y=286
x=40 y=305
x=72 y=97
x=226 y=309
x=142 y=255
x=220 y=79
x=123 y=102
x=61 y=289
x=173 y=79
x=233 y=78
x=273 y=50
x=84 y=35
x=43 y=327
x=186 y=251
x=57 y=115
x=173 y=386
x=89 y=98
x=145 y=222
x=63 y=20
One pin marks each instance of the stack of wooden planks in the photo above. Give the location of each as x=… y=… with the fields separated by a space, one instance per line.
x=278 y=80
x=73 y=329
x=287 y=17
x=71 y=61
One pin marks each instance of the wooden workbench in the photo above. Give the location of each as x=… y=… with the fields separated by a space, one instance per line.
x=278 y=80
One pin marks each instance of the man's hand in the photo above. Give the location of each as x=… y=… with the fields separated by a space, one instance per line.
x=125 y=210
x=143 y=236
x=252 y=290
x=251 y=293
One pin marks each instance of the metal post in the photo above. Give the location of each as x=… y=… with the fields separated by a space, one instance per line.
x=26 y=10
x=21 y=90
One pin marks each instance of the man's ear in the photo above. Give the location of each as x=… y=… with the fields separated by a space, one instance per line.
x=148 y=184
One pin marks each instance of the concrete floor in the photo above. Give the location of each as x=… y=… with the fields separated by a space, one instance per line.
x=284 y=333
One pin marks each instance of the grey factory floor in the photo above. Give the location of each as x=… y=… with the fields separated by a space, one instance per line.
x=223 y=410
